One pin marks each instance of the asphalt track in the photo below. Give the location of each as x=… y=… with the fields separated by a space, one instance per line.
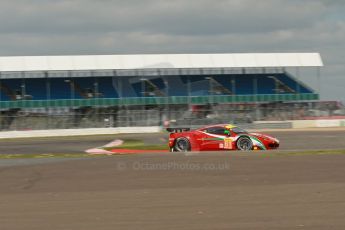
x=177 y=191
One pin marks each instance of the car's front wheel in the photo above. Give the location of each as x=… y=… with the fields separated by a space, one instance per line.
x=182 y=144
x=244 y=143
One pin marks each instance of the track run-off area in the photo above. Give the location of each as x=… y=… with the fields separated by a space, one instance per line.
x=216 y=190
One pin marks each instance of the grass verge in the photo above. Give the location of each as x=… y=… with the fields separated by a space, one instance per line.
x=86 y=155
x=305 y=153
x=137 y=144
x=47 y=155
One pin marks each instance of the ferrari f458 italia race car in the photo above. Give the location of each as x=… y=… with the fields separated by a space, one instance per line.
x=218 y=137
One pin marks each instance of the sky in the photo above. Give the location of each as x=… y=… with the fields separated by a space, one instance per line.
x=74 y=27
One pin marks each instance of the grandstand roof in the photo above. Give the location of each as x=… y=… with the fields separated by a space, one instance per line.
x=158 y=61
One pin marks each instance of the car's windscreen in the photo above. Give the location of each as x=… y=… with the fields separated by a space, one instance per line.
x=238 y=130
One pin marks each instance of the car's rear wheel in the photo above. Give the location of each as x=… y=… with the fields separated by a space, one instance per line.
x=244 y=143
x=182 y=144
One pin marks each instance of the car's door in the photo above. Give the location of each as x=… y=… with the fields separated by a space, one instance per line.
x=214 y=138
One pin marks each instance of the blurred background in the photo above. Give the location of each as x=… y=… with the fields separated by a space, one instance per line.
x=168 y=97
x=69 y=98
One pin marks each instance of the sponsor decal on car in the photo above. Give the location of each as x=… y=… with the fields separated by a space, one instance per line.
x=228 y=143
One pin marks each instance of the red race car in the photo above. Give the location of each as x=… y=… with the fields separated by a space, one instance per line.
x=218 y=137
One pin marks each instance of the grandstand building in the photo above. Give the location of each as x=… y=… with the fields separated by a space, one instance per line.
x=39 y=92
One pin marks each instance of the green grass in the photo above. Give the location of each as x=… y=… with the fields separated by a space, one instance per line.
x=128 y=144
x=137 y=144
x=305 y=153
x=47 y=155
x=141 y=147
x=84 y=155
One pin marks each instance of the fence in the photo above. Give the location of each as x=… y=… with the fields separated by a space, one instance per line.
x=165 y=115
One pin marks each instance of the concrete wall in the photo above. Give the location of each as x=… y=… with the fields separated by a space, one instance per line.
x=317 y=123
x=78 y=132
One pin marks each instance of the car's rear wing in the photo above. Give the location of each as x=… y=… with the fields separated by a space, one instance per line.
x=177 y=130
